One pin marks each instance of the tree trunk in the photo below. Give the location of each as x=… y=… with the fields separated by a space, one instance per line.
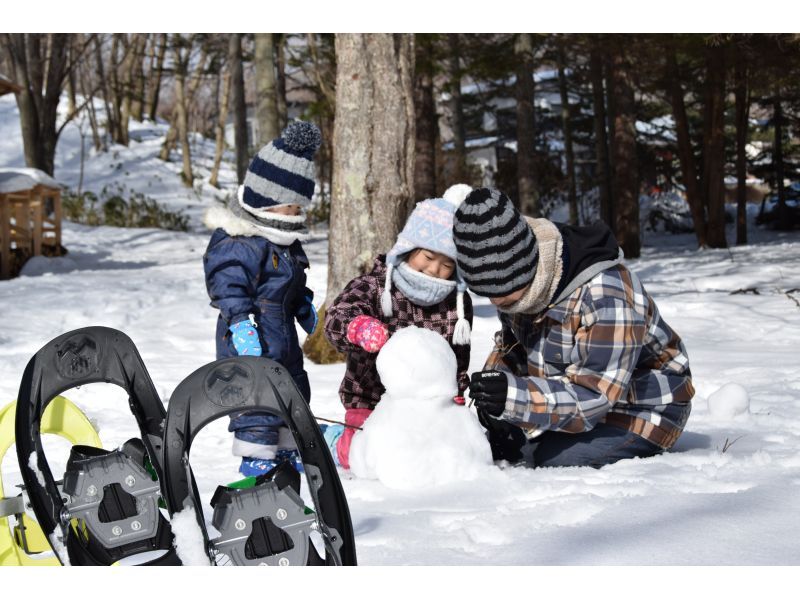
x=103 y=85
x=127 y=82
x=238 y=105
x=72 y=104
x=137 y=85
x=17 y=49
x=777 y=162
x=39 y=63
x=459 y=170
x=266 y=105
x=426 y=120
x=626 y=183
x=97 y=139
x=220 y=129
x=742 y=117
x=373 y=165
x=116 y=92
x=373 y=138
x=567 y=127
x=600 y=135
x=181 y=110
x=714 y=156
x=526 y=126
x=280 y=61
x=685 y=151
x=154 y=81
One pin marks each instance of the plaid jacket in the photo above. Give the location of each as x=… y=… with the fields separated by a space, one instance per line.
x=604 y=354
x=361 y=387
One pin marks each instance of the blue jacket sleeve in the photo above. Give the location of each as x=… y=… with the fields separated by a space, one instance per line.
x=232 y=267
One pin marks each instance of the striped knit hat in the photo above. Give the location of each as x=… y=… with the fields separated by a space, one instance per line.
x=496 y=250
x=283 y=170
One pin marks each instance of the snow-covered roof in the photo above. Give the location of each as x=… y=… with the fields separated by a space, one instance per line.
x=22 y=179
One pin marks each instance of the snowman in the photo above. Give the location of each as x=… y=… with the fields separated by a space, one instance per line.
x=417 y=436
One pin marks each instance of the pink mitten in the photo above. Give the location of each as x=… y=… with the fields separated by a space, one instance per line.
x=368 y=333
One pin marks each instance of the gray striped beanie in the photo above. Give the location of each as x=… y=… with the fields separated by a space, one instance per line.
x=283 y=170
x=496 y=249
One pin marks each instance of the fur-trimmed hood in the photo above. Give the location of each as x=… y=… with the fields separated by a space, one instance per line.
x=244 y=224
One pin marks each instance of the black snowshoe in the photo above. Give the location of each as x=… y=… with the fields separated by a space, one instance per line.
x=266 y=523
x=106 y=507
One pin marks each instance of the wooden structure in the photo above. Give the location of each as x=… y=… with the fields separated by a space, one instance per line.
x=30 y=217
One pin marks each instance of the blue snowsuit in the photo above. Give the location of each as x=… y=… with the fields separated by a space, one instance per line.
x=251 y=275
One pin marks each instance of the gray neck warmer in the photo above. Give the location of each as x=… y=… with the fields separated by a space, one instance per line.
x=283 y=230
x=420 y=288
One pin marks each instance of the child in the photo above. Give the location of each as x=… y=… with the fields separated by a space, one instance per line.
x=416 y=283
x=255 y=275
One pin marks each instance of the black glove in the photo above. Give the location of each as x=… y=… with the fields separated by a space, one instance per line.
x=505 y=439
x=489 y=389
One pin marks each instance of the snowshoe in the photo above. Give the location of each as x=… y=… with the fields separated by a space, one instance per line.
x=106 y=507
x=261 y=520
x=22 y=542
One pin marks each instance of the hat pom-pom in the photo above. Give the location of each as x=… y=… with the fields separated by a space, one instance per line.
x=456 y=194
x=302 y=136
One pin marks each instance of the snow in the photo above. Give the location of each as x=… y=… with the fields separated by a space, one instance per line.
x=729 y=402
x=22 y=179
x=418 y=437
x=726 y=494
x=57 y=542
x=189 y=542
x=33 y=465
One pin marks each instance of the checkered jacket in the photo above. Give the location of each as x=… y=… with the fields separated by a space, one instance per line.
x=604 y=354
x=361 y=387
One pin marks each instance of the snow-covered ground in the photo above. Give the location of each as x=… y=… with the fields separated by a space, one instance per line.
x=726 y=494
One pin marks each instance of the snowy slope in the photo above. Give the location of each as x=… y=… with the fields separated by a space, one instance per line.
x=696 y=505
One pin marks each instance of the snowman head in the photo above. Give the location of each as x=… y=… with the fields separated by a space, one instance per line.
x=416 y=363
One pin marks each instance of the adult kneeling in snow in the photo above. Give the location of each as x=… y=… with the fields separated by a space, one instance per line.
x=585 y=371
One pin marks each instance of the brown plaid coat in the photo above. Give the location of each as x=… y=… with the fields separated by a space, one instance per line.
x=361 y=387
x=604 y=354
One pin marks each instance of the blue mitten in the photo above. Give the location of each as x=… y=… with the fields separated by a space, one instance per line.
x=306 y=314
x=332 y=435
x=245 y=338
